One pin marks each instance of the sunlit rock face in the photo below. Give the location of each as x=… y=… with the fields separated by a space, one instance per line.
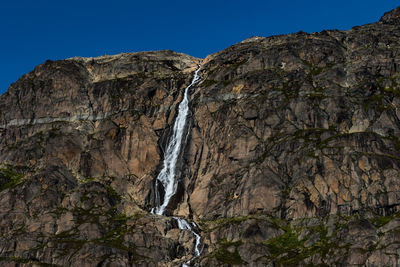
x=292 y=155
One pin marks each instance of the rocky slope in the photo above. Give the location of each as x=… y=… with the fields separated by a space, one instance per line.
x=292 y=158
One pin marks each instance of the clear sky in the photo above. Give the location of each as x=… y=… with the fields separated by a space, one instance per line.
x=36 y=30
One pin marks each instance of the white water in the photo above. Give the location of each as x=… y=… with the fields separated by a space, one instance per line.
x=184 y=225
x=167 y=175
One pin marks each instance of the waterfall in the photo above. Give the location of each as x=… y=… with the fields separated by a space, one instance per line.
x=167 y=174
x=184 y=225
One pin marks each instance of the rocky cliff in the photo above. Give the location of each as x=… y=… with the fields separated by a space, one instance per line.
x=292 y=156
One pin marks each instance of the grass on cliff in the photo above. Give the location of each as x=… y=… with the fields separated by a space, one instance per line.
x=107 y=217
x=9 y=178
x=25 y=261
x=294 y=244
x=291 y=249
x=228 y=252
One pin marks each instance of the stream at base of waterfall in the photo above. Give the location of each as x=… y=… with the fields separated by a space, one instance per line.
x=167 y=174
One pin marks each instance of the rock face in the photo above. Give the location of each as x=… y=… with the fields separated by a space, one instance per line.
x=292 y=157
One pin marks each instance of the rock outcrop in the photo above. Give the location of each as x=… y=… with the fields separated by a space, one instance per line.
x=292 y=158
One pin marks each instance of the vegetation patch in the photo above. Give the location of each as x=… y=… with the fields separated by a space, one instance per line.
x=111 y=191
x=380 y=221
x=9 y=178
x=287 y=248
x=228 y=252
x=88 y=180
x=313 y=70
x=100 y=214
x=208 y=83
x=28 y=261
x=291 y=248
x=115 y=230
x=298 y=242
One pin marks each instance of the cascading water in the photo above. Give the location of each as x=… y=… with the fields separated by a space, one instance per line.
x=184 y=225
x=167 y=175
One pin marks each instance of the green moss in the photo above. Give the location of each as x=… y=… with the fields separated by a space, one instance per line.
x=28 y=261
x=86 y=215
x=232 y=220
x=311 y=154
x=239 y=63
x=9 y=178
x=380 y=221
x=138 y=215
x=120 y=217
x=15 y=259
x=287 y=243
x=392 y=91
x=385 y=155
x=313 y=70
x=66 y=234
x=316 y=96
x=226 y=256
x=115 y=227
x=374 y=101
x=208 y=83
x=395 y=141
x=115 y=243
x=143 y=75
x=70 y=246
x=88 y=179
x=289 y=249
x=226 y=82
x=111 y=191
x=289 y=89
x=388 y=88
x=299 y=241
x=84 y=198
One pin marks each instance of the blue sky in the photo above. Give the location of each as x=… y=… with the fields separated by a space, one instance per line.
x=33 y=31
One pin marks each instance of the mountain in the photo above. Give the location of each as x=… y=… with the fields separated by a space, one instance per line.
x=291 y=155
